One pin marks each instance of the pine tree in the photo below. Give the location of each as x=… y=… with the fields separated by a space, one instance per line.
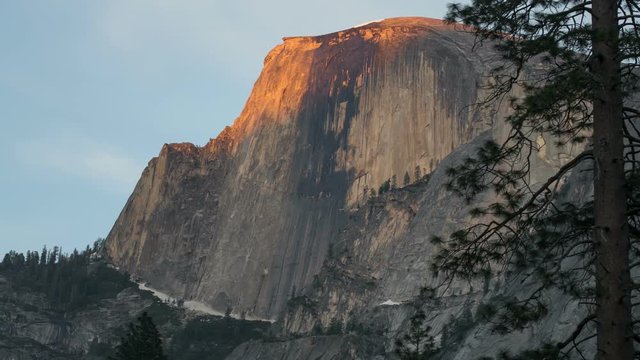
x=417 y=343
x=407 y=179
x=142 y=342
x=19 y=260
x=589 y=51
x=53 y=256
x=385 y=187
x=43 y=255
x=6 y=261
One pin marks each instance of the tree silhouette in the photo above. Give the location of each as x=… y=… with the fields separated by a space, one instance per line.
x=417 y=343
x=587 y=54
x=385 y=187
x=407 y=179
x=142 y=342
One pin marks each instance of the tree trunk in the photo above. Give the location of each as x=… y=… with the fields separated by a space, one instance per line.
x=611 y=240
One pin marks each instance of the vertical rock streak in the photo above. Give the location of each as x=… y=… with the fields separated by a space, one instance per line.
x=246 y=219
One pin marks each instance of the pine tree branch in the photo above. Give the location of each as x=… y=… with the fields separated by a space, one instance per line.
x=574 y=335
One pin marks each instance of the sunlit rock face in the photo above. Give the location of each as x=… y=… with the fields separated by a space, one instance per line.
x=246 y=220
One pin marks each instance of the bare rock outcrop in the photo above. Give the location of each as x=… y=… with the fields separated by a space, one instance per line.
x=246 y=221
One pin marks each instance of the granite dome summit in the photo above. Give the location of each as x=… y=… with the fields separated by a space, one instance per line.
x=283 y=203
x=246 y=218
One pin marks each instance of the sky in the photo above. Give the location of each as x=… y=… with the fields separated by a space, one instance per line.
x=91 y=90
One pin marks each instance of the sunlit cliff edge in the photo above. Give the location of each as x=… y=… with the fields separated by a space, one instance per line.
x=246 y=221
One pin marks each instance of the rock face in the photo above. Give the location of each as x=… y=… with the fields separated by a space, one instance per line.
x=371 y=280
x=246 y=220
x=324 y=347
x=278 y=216
x=35 y=324
x=31 y=329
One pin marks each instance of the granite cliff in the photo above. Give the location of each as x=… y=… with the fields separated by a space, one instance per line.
x=40 y=320
x=244 y=220
x=278 y=216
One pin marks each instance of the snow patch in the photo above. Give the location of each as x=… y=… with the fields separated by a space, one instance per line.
x=196 y=305
x=157 y=293
x=367 y=23
x=201 y=307
x=389 y=303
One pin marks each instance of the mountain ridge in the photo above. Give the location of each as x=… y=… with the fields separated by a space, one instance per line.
x=370 y=31
x=318 y=135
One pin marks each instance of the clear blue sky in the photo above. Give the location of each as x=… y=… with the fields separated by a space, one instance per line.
x=90 y=90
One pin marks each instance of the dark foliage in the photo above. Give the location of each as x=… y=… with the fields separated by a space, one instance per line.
x=385 y=187
x=417 y=343
x=73 y=282
x=142 y=342
x=335 y=327
x=456 y=329
x=576 y=74
x=70 y=281
x=407 y=179
x=211 y=337
x=417 y=173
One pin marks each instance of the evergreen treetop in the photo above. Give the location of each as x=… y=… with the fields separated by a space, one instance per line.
x=142 y=342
